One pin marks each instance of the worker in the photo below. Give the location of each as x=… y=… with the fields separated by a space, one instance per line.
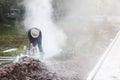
x=35 y=38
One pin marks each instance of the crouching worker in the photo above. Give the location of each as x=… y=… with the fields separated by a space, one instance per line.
x=35 y=40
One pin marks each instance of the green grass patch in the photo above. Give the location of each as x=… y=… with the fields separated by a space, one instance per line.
x=12 y=35
x=11 y=28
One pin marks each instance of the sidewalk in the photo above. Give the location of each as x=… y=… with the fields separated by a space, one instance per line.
x=110 y=69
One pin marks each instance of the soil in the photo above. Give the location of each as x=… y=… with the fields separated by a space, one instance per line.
x=26 y=69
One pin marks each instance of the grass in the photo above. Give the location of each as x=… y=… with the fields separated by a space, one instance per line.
x=12 y=35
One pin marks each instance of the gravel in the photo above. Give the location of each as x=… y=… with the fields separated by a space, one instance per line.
x=26 y=69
